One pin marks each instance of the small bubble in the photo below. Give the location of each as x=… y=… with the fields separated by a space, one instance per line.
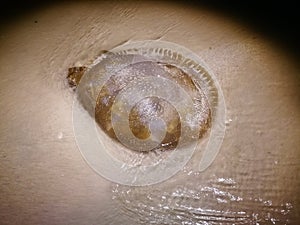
x=228 y=121
x=259 y=132
x=60 y=135
x=289 y=205
x=273 y=220
x=268 y=203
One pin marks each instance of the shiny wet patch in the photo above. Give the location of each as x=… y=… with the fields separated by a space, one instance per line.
x=214 y=202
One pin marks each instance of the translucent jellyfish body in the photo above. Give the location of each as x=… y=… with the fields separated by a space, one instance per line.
x=141 y=110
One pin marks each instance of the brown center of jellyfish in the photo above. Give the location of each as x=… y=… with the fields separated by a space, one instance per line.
x=152 y=108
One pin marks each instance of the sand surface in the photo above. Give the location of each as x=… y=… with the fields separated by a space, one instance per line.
x=43 y=177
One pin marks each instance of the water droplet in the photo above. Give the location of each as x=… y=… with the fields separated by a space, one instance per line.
x=60 y=135
x=259 y=132
x=228 y=121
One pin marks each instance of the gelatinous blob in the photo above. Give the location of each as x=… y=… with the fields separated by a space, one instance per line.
x=147 y=97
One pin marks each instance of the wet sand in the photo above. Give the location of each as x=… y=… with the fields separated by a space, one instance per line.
x=45 y=180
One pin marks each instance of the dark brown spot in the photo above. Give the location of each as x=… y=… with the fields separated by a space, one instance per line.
x=74 y=75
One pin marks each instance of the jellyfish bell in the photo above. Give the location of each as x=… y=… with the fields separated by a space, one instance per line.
x=141 y=110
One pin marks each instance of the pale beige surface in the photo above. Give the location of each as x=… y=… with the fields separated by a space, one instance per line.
x=44 y=179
